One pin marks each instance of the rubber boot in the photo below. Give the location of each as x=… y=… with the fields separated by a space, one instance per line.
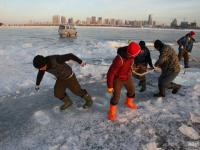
x=67 y=103
x=88 y=101
x=130 y=104
x=112 y=114
x=186 y=63
x=143 y=84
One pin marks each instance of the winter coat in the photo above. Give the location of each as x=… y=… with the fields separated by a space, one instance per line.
x=56 y=65
x=143 y=57
x=186 y=43
x=168 y=60
x=120 y=67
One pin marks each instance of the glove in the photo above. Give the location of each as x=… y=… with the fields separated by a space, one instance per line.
x=37 y=87
x=83 y=64
x=110 y=90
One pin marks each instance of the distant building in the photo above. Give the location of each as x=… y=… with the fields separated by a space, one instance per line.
x=63 y=20
x=106 y=21
x=93 y=21
x=193 y=25
x=78 y=22
x=88 y=21
x=184 y=24
x=150 y=20
x=71 y=21
x=112 y=22
x=56 y=20
x=100 y=21
x=119 y=22
x=174 y=23
x=154 y=23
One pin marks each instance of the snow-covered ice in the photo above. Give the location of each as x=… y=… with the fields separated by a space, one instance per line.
x=32 y=120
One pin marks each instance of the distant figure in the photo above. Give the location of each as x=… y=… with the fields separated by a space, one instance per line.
x=119 y=75
x=169 y=64
x=140 y=64
x=185 y=47
x=65 y=77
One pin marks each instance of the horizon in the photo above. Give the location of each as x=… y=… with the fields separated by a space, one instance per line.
x=23 y=11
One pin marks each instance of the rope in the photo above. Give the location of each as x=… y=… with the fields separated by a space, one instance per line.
x=97 y=64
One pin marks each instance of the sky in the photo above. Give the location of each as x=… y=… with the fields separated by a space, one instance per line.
x=163 y=11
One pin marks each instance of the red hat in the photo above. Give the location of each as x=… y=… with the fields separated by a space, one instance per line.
x=133 y=49
x=192 y=33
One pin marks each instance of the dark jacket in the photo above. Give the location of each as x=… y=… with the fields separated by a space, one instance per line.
x=168 y=60
x=186 y=43
x=56 y=65
x=143 y=57
x=120 y=67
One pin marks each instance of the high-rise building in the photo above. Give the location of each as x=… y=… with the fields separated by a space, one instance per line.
x=193 y=25
x=112 y=21
x=71 y=21
x=184 y=24
x=174 y=23
x=150 y=20
x=106 y=21
x=99 y=22
x=56 y=20
x=88 y=21
x=63 y=20
x=93 y=21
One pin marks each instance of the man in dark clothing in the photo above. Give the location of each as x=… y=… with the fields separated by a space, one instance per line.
x=119 y=75
x=65 y=78
x=140 y=64
x=169 y=64
x=185 y=47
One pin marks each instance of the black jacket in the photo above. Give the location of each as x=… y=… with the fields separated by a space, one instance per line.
x=144 y=57
x=56 y=65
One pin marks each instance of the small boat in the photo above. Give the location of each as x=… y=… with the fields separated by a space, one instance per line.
x=67 y=30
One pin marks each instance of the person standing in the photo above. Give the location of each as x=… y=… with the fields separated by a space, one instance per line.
x=140 y=64
x=185 y=47
x=119 y=75
x=65 y=77
x=170 y=67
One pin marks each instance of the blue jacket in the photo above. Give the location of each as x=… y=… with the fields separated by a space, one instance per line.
x=186 y=43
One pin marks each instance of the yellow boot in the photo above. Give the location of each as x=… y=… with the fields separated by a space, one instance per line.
x=112 y=114
x=130 y=104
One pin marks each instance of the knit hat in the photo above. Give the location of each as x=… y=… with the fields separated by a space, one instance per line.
x=39 y=61
x=133 y=49
x=142 y=44
x=192 y=33
x=158 y=44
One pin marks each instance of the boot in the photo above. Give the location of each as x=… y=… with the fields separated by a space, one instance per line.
x=67 y=103
x=161 y=92
x=158 y=95
x=176 y=89
x=88 y=101
x=112 y=114
x=143 y=84
x=186 y=64
x=130 y=104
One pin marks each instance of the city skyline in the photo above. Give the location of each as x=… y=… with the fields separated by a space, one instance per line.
x=22 y=11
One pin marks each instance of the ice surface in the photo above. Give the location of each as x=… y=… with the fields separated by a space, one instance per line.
x=32 y=120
